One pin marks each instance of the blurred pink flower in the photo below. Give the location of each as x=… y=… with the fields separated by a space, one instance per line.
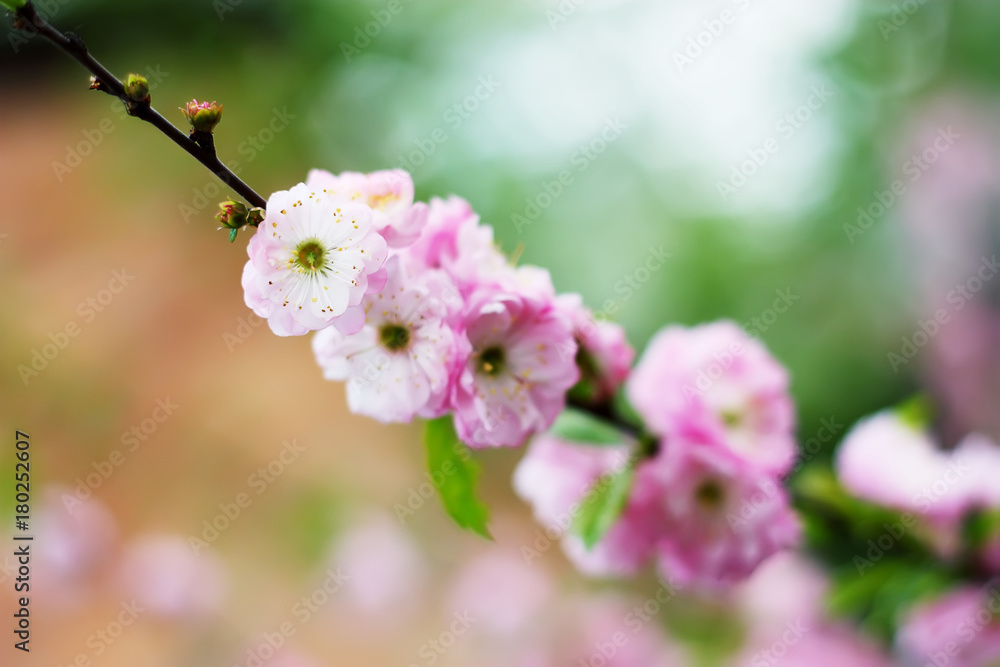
x=720 y=522
x=707 y=521
x=939 y=485
x=402 y=363
x=604 y=353
x=613 y=631
x=518 y=370
x=79 y=543
x=312 y=260
x=386 y=569
x=167 y=578
x=800 y=644
x=720 y=387
x=507 y=596
x=958 y=629
x=388 y=193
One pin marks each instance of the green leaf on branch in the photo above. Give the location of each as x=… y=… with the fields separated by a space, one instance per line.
x=577 y=426
x=604 y=503
x=450 y=461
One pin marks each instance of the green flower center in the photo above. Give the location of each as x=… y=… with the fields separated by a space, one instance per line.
x=491 y=361
x=710 y=494
x=310 y=256
x=394 y=337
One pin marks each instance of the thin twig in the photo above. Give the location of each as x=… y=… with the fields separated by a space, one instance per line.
x=109 y=83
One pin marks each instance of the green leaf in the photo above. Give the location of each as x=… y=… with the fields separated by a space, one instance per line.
x=577 y=426
x=603 y=505
x=450 y=461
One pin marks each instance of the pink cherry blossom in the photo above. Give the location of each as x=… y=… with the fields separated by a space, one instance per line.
x=555 y=476
x=454 y=240
x=959 y=629
x=925 y=479
x=388 y=193
x=604 y=356
x=720 y=521
x=312 y=260
x=718 y=384
x=519 y=366
x=403 y=360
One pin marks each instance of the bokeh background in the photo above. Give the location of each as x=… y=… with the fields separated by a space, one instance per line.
x=744 y=138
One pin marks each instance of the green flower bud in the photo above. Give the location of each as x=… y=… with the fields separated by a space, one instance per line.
x=255 y=216
x=232 y=214
x=137 y=87
x=203 y=116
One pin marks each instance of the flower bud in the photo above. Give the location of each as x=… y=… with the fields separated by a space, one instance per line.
x=137 y=87
x=255 y=216
x=233 y=214
x=13 y=5
x=203 y=116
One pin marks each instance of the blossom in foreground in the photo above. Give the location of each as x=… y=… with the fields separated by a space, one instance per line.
x=715 y=383
x=604 y=355
x=402 y=362
x=455 y=241
x=388 y=193
x=959 y=628
x=312 y=260
x=518 y=368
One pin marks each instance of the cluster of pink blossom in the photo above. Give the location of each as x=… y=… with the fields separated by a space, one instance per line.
x=418 y=311
x=421 y=315
x=937 y=488
x=707 y=504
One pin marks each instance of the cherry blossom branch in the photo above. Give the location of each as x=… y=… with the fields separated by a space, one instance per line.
x=136 y=100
